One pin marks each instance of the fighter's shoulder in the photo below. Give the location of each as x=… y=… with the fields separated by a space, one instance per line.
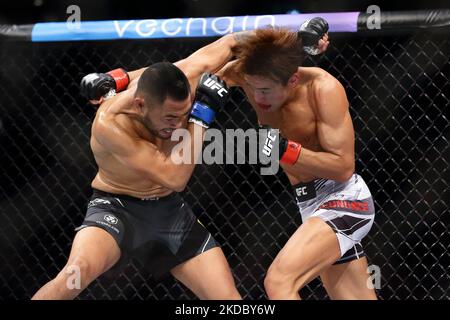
x=323 y=84
x=111 y=129
x=327 y=92
x=320 y=79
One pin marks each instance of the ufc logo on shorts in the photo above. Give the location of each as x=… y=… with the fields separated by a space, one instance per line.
x=301 y=191
x=268 y=145
x=210 y=83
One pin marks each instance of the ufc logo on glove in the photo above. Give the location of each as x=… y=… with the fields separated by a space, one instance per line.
x=268 y=150
x=210 y=83
x=268 y=145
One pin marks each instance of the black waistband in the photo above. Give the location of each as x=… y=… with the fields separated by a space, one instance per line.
x=303 y=184
x=305 y=191
x=101 y=193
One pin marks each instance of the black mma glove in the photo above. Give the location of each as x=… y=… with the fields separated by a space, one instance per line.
x=311 y=31
x=211 y=96
x=289 y=151
x=96 y=85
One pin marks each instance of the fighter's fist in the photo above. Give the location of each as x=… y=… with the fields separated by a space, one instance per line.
x=212 y=91
x=211 y=96
x=314 y=34
x=288 y=150
x=95 y=86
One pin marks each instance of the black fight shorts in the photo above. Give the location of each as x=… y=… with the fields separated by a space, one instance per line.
x=161 y=233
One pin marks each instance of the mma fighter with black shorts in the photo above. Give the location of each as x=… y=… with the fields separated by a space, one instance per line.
x=135 y=209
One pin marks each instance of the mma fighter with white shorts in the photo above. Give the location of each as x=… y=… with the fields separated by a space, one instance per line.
x=316 y=147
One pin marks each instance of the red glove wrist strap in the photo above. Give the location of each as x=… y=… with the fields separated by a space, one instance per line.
x=121 y=78
x=292 y=153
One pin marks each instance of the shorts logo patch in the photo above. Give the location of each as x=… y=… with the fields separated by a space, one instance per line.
x=98 y=201
x=110 y=219
x=301 y=191
x=345 y=204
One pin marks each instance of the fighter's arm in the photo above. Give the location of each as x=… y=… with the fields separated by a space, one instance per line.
x=335 y=133
x=134 y=75
x=144 y=157
x=215 y=58
x=210 y=58
x=231 y=75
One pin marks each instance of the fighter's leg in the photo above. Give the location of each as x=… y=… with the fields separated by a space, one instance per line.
x=309 y=251
x=93 y=252
x=348 y=281
x=208 y=276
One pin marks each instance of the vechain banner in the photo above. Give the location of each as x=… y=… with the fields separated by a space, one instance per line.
x=182 y=27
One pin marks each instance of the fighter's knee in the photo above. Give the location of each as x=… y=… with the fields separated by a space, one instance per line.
x=278 y=283
x=80 y=270
x=271 y=284
x=285 y=279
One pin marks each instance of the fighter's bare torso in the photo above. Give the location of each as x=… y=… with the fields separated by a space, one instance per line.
x=113 y=175
x=296 y=119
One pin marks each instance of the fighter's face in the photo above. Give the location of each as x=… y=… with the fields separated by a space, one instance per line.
x=162 y=120
x=268 y=94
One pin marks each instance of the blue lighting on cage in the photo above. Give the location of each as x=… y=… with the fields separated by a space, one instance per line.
x=182 y=27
